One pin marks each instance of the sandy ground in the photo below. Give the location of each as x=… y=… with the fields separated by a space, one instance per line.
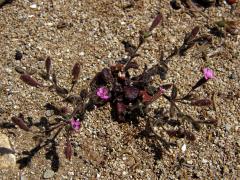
x=92 y=36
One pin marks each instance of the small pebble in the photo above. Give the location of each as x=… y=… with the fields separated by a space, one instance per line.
x=232 y=76
x=71 y=173
x=190 y=162
x=228 y=127
x=22 y=177
x=48 y=174
x=18 y=55
x=124 y=173
x=49 y=113
x=98 y=175
x=8 y=70
x=184 y=148
x=1 y=111
x=33 y=6
x=204 y=161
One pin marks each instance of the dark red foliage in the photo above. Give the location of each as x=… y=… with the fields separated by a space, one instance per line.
x=231 y=2
x=68 y=150
x=131 y=92
x=129 y=95
x=121 y=110
x=190 y=136
x=201 y=102
x=146 y=98
x=107 y=75
x=156 y=21
x=48 y=64
x=30 y=81
x=75 y=72
x=20 y=123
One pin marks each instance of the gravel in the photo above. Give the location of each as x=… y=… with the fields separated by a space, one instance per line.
x=48 y=174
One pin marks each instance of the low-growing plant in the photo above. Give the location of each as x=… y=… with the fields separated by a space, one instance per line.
x=129 y=96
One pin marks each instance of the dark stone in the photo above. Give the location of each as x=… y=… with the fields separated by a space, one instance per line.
x=175 y=4
x=18 y=55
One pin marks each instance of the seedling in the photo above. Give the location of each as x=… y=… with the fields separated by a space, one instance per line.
x=129 y=97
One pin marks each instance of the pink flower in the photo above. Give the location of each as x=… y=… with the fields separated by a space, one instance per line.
x=208 y=73
x=161 y=90
x=75 y=123
x=103 y=93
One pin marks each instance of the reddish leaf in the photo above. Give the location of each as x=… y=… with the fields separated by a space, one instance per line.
x=231 y=2
x=190 y=37
x=120 y=111
x=121 y=108
x=30 y=81
x=107 y=75
x=68 y=150
x=20 y=123
x=75 y=72
x=189 y=136
x=131 y=92
x=157 y=94
x=211 y=121
x=156 y=21
x=201 y=102
x=145 y=97
x=48 y=64
x=21 y=116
